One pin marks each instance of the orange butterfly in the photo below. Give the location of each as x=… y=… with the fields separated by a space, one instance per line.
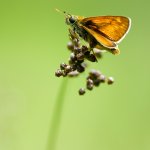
x=102 y=32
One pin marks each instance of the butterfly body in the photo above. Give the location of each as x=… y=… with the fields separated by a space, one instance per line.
x=102 y=32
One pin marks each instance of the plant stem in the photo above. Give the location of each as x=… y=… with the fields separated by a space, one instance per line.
x=56 y=118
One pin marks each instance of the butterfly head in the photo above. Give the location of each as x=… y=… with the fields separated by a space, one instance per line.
x=70 y=19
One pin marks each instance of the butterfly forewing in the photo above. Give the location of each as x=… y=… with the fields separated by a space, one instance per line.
x=113 y=28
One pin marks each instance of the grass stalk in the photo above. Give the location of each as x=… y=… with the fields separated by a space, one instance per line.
x=56 y=117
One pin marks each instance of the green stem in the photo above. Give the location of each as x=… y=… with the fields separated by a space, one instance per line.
x=56 y=118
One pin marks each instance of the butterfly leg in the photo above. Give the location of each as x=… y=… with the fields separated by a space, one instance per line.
x=73 y=35
x=114 y=51
x=92 y=45
x=91 y=49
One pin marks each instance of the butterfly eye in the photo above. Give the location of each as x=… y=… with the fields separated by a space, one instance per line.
x=72 y=20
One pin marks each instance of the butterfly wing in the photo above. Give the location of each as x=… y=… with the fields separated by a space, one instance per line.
x=100 y=38
x=107 y=30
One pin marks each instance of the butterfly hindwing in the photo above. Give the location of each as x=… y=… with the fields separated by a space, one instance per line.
x=100 y=38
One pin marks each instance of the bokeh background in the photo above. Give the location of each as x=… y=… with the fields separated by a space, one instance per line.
x=33 y=38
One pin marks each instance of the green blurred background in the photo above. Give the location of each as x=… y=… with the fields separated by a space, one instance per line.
x=33 y=39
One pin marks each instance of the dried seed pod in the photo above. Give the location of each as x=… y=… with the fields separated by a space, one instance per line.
x=97 y=82
x=70 y=46
x=81 y=91
x=73 y=57
x=84 y=49
x=94 y=73
x=77 y=50
x=89 y=81
x=97 y=52
x=80 y=56
x=73 y=73
x=87 y=54
x=64 y=73
x=79 y=62
x=70 y=62
x=102 y=78
x=68 y=69
x=89 y=84
x=91 y=58
x=74 y=67
x=110 y=80
x=80 y=68
x=79 y=53
x=58 y=73
x=63 y=66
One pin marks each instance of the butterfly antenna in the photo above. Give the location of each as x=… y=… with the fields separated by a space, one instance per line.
x=62 y=12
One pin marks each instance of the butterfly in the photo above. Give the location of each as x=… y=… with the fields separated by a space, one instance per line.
x=102 y=32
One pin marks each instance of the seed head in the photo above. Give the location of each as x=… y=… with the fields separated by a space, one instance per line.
x=76 y=63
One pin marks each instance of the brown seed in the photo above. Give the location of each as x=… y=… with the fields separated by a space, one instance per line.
x=110 y=80
x=68 y=69
x=70 y=62
x=102 y=78
x=73 y=57
x=81 y=91
x=64 y=73
x=74 y=67
x=77 y=50
x=97 y=82
x=79 y=62
x=94 y=73
x=73 y=73
x=58 y=73
x=89 y=81
x=80 y=68
x=87 y=54
x=91 y=58
x=70 y=46
x=97 y=52
x=63 y=66
x=84 y=49
x=89 y=84
x=80 y=56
